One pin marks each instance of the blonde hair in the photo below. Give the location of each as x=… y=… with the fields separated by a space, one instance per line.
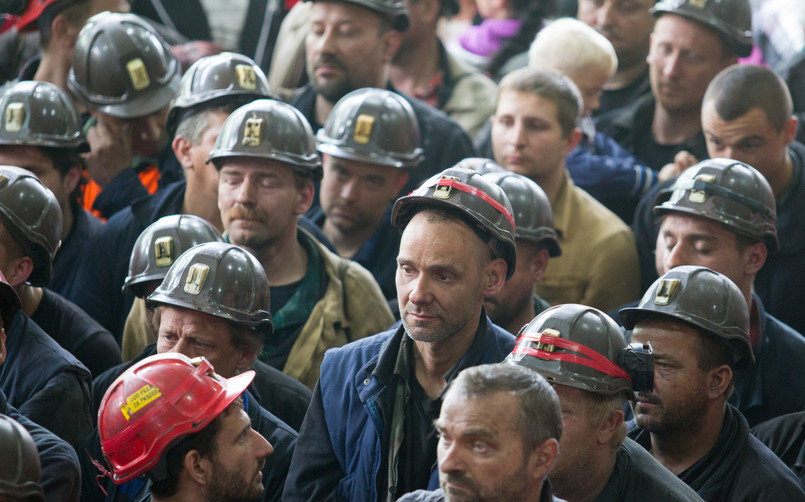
x=568 y=45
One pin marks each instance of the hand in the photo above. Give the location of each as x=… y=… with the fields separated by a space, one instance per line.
x=111 y=152
x=682 y=161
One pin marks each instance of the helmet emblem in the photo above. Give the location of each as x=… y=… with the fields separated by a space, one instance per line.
x=548 y=332
x=135 y=402
x=195 y=278
x=15 y=116
x=665 y=291
x=253 y=132
x=163 y=251
x=700 y=196
x=444 y=191
x=363 y=128
x=138 y=74
x=699 y=4
x=246 y=78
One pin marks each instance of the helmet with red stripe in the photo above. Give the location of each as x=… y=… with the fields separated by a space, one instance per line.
x=482 y=204
x=584 y=348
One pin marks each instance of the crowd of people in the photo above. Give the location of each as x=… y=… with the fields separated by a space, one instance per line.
x=415 y=250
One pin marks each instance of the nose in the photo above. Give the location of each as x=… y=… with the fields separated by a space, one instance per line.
x=671 y=65
x=245 y=195
x=675 y=257
x=350 y=189
x=604 y=16
x=450 y=460
x=420 y=292
x=262 y=447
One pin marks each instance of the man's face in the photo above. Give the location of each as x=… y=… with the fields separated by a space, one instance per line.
x=441 y=272
x=147 y=133
x=627 y=25
x=197 y=334
x=33 y=159
x=517 y=294
x=480 y=451
x=205 y=175
x=259 y=201
x=684 y=58
x=354 y=195
x=345 y=49
x=579 y=435
x=689 y=240
x=749 y=138
x=526 y=135
x=679 y=399
x=238 y=459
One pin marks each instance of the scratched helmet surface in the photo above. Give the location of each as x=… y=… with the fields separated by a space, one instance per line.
x=730 y=18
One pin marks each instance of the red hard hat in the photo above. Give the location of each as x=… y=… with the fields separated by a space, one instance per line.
x=157 y=402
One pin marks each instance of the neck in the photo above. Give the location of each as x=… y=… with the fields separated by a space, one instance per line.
x=671 y=128
x=624 y=77
x=551 y=183
x=347 y=244
x=525 y=316
x=198 y=205
x=53 y=68
x=782 y=177
x=591 y=480
x=679 y=449
x=433 y=360
x=67 y=220
x=30 y=297
x=285 y=260
x=414 y=67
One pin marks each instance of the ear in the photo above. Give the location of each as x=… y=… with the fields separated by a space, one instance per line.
x=542 y=458
x=573 y=140
x=182 y=148
x=390 y=42
x=72 y=178
x=246 y=359
x=718 y=381
x=610 y=426
x=62 y=29
x=495 y=277
x=538 y=264
x=402 y=179
x=197 y=469
x=755 y=256
x=19 y=270
x=790 y=129
x=305 y=197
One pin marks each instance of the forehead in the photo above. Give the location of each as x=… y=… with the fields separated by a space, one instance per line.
x=432 y=237
x=357 y=167
x=496 y=413
x=526 y=104
x=247 y=165
x=681 y=224
x=665 y=334
x=22 y=155
x=191 y=321
x=686 y=33
x=755 y=122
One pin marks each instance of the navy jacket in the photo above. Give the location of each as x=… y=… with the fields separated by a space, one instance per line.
x=61 y=477
x=44 y=382
x=445 y=142
x=343 y=440
x=785 y=436
x=85 y=225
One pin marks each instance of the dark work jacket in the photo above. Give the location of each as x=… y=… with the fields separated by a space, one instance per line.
x=738 y=468
x=72 y=248
x=378 y=255
x=438 y=495
x=631 y=127
x=637 y=477
x=785 y=436
x=444 y=142
x=77 y=332
x=278 y=393
x=44 y=382
x=61 y=477
x=766 y=390
x=343 y=443
x=615 y=100
x=277 y=432
x=105 y=264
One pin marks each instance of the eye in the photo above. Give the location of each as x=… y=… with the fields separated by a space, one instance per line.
x=480 y=447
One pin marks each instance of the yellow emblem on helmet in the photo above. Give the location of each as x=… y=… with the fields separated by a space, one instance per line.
x=246 y=78
x=15 y=117
x=700 y=196
x=444 y=191
x=549 y=332
x=138 y=74
x=665 y=291
x=363 y=128
x=195 y=278
x=253 y=132
x=163 y=251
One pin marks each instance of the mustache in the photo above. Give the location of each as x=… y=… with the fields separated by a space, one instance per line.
x=247 y=213
x=461 y=480
x=648 y=397
x=328 y=59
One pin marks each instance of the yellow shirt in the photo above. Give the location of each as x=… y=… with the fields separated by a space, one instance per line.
x=598 y=266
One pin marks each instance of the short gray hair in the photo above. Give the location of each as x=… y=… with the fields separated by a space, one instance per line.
x=540 y=415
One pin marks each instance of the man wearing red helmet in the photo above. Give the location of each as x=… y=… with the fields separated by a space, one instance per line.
x=183 y=425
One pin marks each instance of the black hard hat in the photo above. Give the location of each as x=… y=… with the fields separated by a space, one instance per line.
x=732 y=19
